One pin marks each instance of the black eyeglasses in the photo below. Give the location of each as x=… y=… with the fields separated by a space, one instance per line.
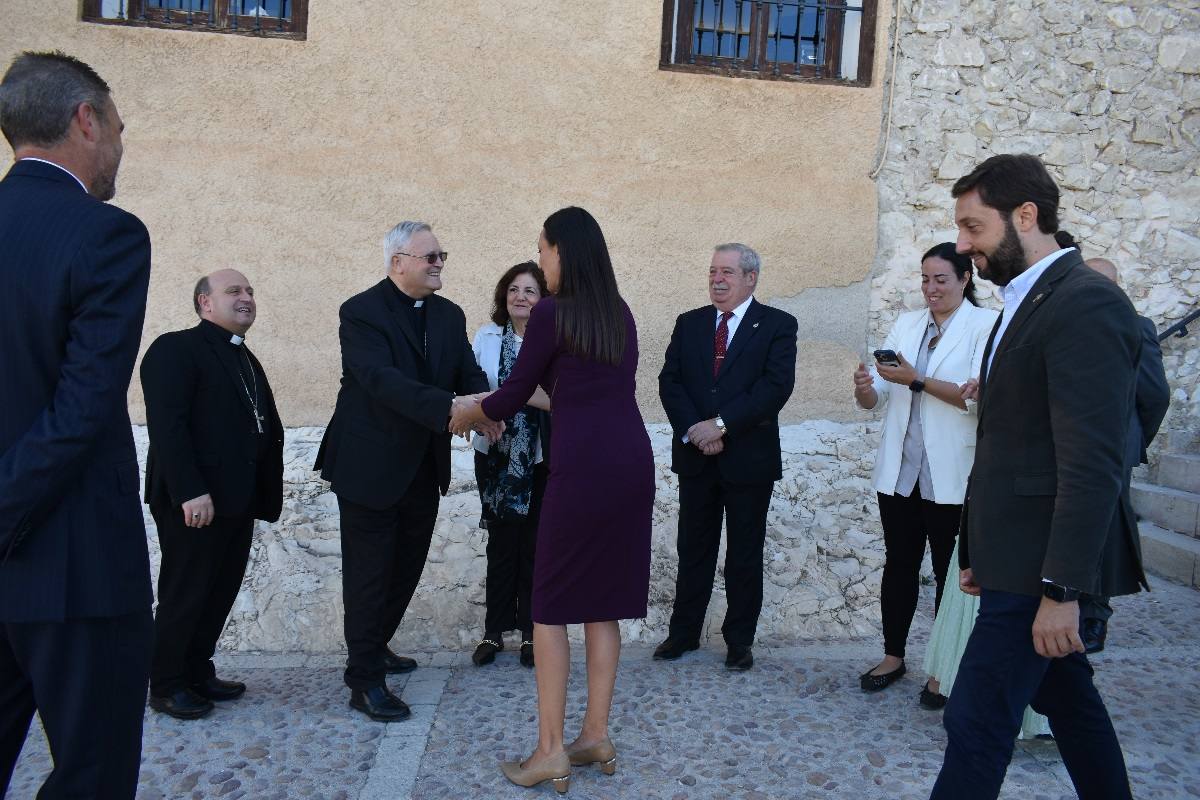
x=431 y=258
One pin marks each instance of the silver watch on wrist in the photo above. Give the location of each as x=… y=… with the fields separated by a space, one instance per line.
x=720 y=424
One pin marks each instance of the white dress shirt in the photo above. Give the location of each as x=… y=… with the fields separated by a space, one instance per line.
x=738 y=314
x=1016 y=292
x=60 y=166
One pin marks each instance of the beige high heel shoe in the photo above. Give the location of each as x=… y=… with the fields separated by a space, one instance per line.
x=603 y=754
x=556 y=770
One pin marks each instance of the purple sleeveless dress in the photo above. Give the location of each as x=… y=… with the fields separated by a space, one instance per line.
x=593 y=541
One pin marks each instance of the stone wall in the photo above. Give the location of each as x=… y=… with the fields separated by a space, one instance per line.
x=824 y=554
x=1107 y=93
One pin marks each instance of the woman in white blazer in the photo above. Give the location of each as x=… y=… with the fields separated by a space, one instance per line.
x=928 y=441
x=510 y=474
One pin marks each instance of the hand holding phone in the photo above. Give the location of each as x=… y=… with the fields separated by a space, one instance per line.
x=887 y=358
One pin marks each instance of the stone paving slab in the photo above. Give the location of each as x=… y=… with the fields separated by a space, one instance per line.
x=796 y=726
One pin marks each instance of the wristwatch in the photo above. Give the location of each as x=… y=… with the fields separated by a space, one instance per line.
x=1059 y=593
x=720 y=424
x=917 y=386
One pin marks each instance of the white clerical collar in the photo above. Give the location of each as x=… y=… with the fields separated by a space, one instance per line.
x=418 y=303
x=236 y=340
x=60 y=166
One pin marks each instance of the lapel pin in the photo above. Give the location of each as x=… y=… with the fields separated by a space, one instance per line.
x=1038 y=299
x=755 y=325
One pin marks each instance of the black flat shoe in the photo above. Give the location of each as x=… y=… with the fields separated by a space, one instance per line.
x=934 y=701
x=485 y=651
x=379 y=704
x=216 y=689
x=526 y=653
x=397 y=665
x=184 y=704
x=672 y=648
x=739 y=659
x=875 y=683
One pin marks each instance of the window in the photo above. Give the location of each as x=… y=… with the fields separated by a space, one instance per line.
x=811 y=40
x=282 y=18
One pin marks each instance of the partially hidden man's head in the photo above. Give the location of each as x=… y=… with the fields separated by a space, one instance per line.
x=226 y=298
x=1001 y=208
x=732 y=275
x=52 y=104
x=414 y=259
x=1105 y=267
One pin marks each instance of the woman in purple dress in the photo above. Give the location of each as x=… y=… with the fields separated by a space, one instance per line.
x=592 y=563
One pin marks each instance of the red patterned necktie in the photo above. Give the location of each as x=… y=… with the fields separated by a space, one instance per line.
x=720 y=342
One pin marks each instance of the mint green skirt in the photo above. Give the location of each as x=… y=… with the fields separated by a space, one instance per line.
x=951 y=629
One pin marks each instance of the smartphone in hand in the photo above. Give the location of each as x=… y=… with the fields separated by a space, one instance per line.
x=887 y=358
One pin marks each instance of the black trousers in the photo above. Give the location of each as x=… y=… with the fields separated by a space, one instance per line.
x=510 y=548
x=383 y=556
x=198 y=581
x=703 y=500
x=86 y=678
x=999 y=675
x=907 y=523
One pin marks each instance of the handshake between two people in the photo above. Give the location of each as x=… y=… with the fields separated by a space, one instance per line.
x=466 y=415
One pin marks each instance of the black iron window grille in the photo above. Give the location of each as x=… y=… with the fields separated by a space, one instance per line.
x=814 y=40
x=279 y=18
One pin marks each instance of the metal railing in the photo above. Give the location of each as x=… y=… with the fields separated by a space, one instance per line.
x=774 y=36
x=1180 y=329
x=236 y=16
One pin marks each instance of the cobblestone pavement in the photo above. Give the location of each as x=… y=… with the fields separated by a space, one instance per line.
x=796 y=726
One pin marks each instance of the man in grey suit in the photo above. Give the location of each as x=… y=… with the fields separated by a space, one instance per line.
x=1044 y=518
x=1152 y=398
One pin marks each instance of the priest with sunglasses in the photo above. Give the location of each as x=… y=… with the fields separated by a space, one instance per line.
x=406 y=364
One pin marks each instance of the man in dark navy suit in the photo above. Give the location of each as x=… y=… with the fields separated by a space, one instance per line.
x=1152 y=398
x=214 y=466
x=75 y=625
x=730 y=368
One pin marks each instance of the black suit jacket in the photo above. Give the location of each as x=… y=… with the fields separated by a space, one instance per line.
x=203 y=439
x=74 y=271
x=755 y=381
x=1045 y=498
x=394 y=401
x=1153 y=397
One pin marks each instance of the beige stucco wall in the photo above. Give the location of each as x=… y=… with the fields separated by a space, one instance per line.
x=290 y=159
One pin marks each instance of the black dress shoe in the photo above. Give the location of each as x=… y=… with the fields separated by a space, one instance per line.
x=485 y=651
x=379 y=704
x=875 y=683
x=397 y=665
x=673 y=648
x=526 y=653
x=739 y=658
x=216 y=689
x=1093 y=632
x=183 y=704
x=934 y=701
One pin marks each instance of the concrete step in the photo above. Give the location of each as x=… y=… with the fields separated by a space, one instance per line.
x=1170 y=555
x=1179 y=441
x=1179 y=471
x=1173 y=509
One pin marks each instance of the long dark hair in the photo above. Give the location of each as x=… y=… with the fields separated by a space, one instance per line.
x=962 y=266
x=590 y=312
x=500 y=297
